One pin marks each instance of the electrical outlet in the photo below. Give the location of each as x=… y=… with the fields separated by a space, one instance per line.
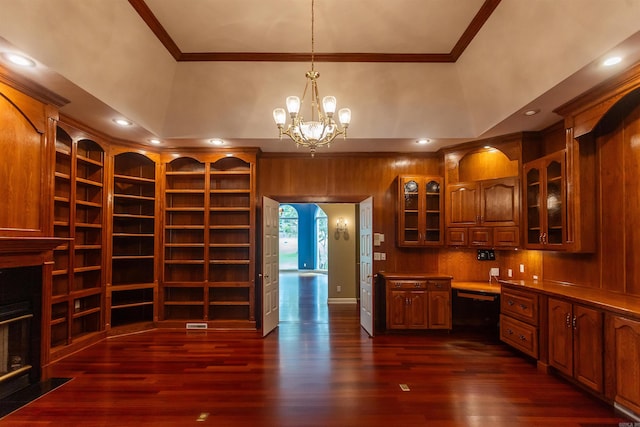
x=535 y=277
x=494 y=272
x=521 y=268
x=339 y=288
x=509 y=273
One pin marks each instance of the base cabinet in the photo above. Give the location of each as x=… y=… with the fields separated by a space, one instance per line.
x=623 y=362
x=417 y=302
x=519 y=320
x=576 y=342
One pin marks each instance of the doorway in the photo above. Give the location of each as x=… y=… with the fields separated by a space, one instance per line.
x=303 y=263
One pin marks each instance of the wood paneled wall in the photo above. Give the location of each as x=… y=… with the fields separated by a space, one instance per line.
x=352 y=178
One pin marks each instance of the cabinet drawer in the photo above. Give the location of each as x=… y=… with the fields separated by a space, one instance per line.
x=521 y=305
x=406 y=284
x=519 y=335
x=439 y=285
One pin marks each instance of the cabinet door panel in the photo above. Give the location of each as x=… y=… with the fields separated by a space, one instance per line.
x=396 y=310
x=463 y=203
x=626 y=349
x=499 y=202
x=588 y=347
x=439 y=310
x=417 y=310
x=560 y=336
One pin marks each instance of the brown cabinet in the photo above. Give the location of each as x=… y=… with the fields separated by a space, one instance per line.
x=482 y=197
x=420 y=219
x=417 y=302
x=519 y=320
x=576 y=342
x=545 y=202
x=407 y=305
x=623 y=362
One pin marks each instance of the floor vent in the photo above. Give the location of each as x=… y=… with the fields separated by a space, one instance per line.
x=196 y=326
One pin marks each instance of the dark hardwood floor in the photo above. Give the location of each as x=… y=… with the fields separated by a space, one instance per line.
x=316 y=369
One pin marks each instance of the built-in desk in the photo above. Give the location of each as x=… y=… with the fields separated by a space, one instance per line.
x=476 y=304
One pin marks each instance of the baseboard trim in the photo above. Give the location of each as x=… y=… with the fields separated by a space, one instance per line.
x=342 y=301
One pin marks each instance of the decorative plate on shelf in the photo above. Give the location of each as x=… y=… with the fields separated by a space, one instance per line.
x=411 y=187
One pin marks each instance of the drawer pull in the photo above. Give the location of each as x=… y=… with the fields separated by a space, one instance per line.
x=575 y=326
x=568 y=320
x=523 y=307
x=417 y=285
x=397 y=285
x=523 y=338
x=509 y=331
x=510 y=302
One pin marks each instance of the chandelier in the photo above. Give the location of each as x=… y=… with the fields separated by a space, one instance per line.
x=321 y=128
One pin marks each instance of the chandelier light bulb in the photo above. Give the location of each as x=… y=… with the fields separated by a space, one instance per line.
x=329 y=104
x=293 y=105
x=279 y=116
x=345 y=116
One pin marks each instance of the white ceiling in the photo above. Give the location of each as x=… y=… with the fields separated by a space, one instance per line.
x=104 y=58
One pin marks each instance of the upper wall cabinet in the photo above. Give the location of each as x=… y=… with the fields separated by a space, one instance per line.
x=482 y=199
x=420 y=219
x=545 y=202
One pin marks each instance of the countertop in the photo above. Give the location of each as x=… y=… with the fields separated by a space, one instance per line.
x=486 y=287
x=606 y=300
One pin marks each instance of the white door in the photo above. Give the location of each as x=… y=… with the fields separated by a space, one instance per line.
x=270 y=266
x=366 y=265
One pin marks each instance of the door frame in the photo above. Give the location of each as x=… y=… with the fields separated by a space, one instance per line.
x=355 y=199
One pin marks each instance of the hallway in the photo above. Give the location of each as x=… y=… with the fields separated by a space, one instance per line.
x=317 y=369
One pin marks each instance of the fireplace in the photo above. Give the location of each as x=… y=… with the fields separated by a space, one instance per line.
x=20 y=315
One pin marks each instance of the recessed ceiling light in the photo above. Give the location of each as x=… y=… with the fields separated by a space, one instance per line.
x=531 y=112
x=20 y=60
x=423 y=141
x=216 y=141
x=155 y=141
x=612 y=61
x=122 y=122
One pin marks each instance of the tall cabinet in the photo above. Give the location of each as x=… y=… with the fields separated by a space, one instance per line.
x=209 y=240
x=77 y=288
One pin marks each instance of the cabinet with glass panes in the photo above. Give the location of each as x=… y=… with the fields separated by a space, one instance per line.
x=420 y=219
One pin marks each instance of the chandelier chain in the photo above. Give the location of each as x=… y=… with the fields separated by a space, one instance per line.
x=312 y=35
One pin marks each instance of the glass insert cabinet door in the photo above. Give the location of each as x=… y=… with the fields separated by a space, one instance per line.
x=420 y=211
x=545 y=198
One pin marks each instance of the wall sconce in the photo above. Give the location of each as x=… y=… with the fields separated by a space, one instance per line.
x=341 y=227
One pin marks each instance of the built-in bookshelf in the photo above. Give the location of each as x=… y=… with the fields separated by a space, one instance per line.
x=77 y=279
x=209 y=223
x=132 y=292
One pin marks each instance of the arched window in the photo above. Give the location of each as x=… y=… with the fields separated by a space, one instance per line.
x=288 y=238
x=322 y=249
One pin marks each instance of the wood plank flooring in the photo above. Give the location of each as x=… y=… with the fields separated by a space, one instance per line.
x=314 y=370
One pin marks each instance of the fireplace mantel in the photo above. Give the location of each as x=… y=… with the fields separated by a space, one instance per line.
x=22 y=245
x=24 y=251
